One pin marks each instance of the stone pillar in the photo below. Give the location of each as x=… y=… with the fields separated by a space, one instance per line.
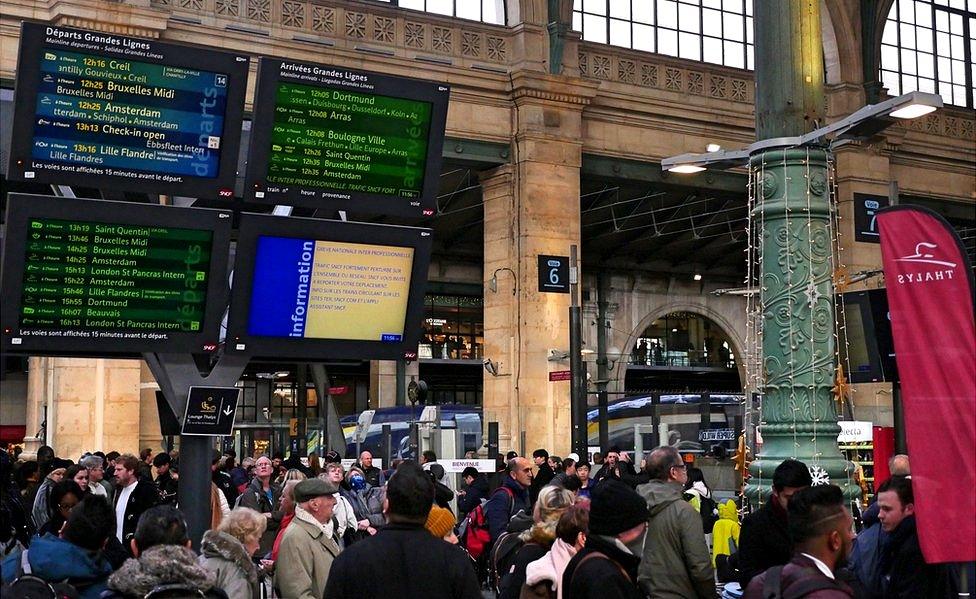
x=532 y=208
x=91 y=404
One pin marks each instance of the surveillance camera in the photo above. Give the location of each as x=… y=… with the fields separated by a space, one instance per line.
x=490 y=367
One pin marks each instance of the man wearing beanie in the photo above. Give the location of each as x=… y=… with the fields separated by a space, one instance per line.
x=676 y=562
x=606 y=567
x=403 y=560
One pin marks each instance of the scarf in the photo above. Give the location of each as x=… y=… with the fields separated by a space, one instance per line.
x=550 y=567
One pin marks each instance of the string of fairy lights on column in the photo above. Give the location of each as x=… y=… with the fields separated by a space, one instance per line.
x=840 y=313
x=813 y=296
x=755 y=368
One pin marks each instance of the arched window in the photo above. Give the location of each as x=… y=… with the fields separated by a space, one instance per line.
x=486 y=11
x=928 y=45
x=717 y=31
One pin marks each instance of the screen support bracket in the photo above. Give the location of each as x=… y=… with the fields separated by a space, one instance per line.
x=335 y=438
x=175 y=374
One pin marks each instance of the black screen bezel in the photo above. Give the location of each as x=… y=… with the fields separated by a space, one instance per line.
x=253 y=226
x=235 y=66
x=23 y=207
x=269 y=76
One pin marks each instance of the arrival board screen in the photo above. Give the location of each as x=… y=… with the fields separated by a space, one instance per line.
x=332 y=290
x=327 y=289
x=109 y=279
x=126 y=110
x=341 y=139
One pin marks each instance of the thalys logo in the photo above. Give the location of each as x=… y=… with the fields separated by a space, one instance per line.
x=925 y=254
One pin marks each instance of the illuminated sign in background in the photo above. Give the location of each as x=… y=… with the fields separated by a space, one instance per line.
x=332 y=138
x=106 y=111
x=329 y=290
x=100 y=278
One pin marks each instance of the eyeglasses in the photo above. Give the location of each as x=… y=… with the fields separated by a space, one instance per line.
x=682 y=466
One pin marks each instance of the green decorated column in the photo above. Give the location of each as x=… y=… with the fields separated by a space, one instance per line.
x=792 y=207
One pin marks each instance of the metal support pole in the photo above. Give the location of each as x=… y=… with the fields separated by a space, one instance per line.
x=602 y=372
x=301 y=403
x=387 y=445
x=577 y=392
x=401 y=384
x=492 y=440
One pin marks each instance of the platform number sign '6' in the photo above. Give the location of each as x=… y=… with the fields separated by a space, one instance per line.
x=554 y=274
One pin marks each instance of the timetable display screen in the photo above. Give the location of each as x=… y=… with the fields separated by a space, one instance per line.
x=327 y=289
x=100 y=279
x=126 y=113
x=334 y=138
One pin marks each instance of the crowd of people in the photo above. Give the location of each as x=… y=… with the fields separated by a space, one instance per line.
x=109 y=525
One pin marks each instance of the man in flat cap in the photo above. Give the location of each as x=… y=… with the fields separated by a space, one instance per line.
x=309 y=544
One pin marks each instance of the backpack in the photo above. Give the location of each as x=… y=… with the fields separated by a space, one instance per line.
x=473 y=533
x=709 y=514
x=773 y=588
x=27 y=585
x=502 y=557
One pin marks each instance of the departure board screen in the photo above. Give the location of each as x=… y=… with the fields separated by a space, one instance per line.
x=94 y=277
x=328 y=289
x=335 y=138
x=107 y=111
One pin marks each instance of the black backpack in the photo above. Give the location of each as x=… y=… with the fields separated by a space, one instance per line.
x=27 y=585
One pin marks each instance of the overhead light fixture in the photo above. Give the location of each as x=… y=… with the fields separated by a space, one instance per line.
x=912 y=111
x=493 y=281
x=697 y=276
x=713 y=147
x=864 y=123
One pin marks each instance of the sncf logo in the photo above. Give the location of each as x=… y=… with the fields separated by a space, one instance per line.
x=925 y=254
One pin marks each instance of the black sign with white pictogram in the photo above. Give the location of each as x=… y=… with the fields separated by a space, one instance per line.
x=210 y=410
x=865 y=217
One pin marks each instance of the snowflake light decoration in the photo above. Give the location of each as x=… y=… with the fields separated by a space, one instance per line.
x=819 y=476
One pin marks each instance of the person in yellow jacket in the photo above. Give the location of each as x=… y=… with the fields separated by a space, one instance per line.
x=725 y=533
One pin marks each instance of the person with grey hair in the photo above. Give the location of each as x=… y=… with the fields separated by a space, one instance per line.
x=675 y=561
x=97 y=484
x=228 y=550
x=898 y=465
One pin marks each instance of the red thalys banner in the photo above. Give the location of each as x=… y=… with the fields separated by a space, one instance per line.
x=930 y=297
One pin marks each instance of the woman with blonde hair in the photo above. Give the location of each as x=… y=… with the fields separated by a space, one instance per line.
x=227 y=552
x=538 y=540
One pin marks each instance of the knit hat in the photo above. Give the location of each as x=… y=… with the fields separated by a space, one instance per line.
x=332 y=457
x=615 y=508
x=440 y=521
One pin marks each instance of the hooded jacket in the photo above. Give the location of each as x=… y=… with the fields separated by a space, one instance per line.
x=255 y=498
x=55 y=559
x=544 y=576
x=599 y=578
x=159 y=565
x=227 y=558
x=725 y=535
x=675 y=560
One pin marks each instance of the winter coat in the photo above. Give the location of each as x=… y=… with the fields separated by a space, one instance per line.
x=800 y=570
x=403 y=561
x=143 y=497
x=904 y=573
x=675 y=560
x=764 y=541
x=537 y=541
x=227 y=558
x=226 y=485
x=255 y=498
x=305 y=559
x=367 y=504
x=374 y=476
x=39 y=511
x=725 y=534
x=55 y=559
x=865 y=560
x=542 y=478
x=159 y=565
x=502 y=506
x=599 y=578
x=544 y=576
x=473 y=494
